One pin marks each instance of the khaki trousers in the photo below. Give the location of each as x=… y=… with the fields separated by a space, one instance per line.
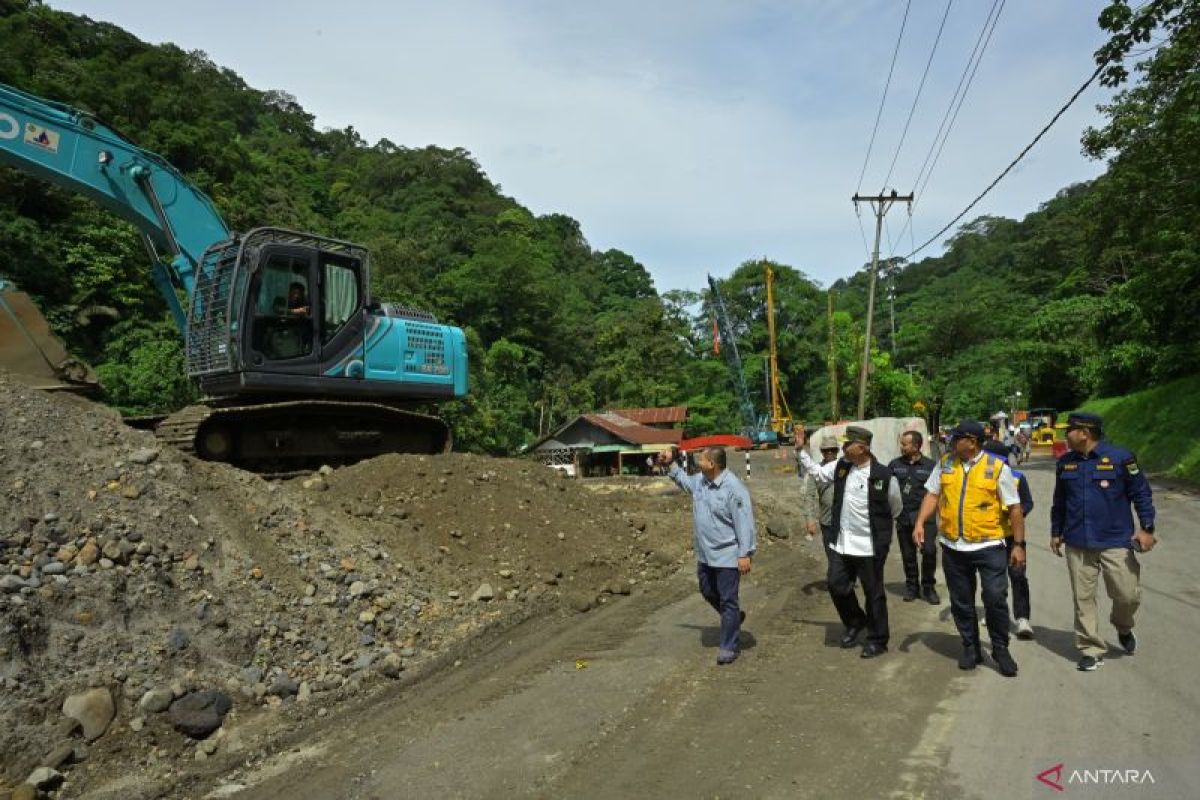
x=1121 y=573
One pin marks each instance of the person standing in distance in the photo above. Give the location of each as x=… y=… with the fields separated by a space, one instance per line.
x=970 y=492
x=866 y=502
x=1094 y=485
x=829 y=453
x=1016 y=575
x=723 y=527
x=912 y=471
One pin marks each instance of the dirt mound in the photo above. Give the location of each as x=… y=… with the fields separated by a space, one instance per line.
x=136 y=570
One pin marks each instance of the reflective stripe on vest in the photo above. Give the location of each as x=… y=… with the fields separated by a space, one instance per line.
x=969 y=505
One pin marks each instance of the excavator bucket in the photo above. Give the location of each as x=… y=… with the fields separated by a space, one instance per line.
x=31 y=353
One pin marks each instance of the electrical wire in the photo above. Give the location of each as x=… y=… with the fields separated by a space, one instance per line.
x=956 y=103
x=959 y=88
x=1071 y=101
x=920 y=86
x=887 y=84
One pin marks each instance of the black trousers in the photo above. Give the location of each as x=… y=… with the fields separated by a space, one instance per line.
x=991 y=566
x=1020 y=589
x=924 y=577
x=843 y=571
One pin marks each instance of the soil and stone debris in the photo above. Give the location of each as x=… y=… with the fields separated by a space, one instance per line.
x=161 y=615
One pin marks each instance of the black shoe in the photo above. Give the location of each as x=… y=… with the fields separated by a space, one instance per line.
x=1004 y=662
x=741 y=618
x=1089 y=664
x=931 y=596
x=851 y=637
x=871 y=650
x=910 y=594
x=1128 y=641
x=971 y=656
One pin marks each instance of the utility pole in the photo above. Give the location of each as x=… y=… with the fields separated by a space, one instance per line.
x=833 y=371
x=880 y=205
x=891 y=270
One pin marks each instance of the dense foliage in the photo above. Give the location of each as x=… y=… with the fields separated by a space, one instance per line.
x=1091 y=294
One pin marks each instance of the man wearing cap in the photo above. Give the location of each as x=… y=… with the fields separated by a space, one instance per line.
x=912 y=471
x=1016 y=575
x=866 y=502
x=1095 y=484
x=830 y=447
x=723 y=528
x=970 y=491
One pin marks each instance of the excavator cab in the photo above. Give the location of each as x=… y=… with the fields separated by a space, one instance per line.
x=277 y=315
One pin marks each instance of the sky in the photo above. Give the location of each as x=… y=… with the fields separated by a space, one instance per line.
x=692 y=135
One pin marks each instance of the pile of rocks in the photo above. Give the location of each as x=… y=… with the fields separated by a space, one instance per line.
x=197 y=597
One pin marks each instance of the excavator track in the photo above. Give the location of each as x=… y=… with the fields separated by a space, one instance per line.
x=275 y=437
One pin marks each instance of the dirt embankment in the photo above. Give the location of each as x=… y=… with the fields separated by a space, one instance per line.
x=184 y=612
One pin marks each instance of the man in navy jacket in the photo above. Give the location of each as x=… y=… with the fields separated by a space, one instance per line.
x=1095 y=485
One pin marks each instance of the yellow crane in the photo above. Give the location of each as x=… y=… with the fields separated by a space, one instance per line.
x=781 y=415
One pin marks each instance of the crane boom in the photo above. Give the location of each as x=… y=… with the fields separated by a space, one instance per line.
x=781 y=414
x=753 y=428
x=73 y=150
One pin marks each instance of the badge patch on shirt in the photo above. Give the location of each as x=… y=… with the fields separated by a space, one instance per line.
x=1106 y=466
x=1132 y=468
x=1103 y=484
x=1070 y=466
x=1105 y=460
x=879 y=486
x=841 y=472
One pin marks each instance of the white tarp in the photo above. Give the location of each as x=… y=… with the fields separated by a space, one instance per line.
x=886 y=431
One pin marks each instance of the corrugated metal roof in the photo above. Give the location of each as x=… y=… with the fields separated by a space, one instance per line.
x=631 y=431
x=653 y=416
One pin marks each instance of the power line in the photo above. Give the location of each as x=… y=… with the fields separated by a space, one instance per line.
x=959 y=88
x=917 y=97
x=1015 y=161
x=964 y=83
x=887 y=84
x=962 y=99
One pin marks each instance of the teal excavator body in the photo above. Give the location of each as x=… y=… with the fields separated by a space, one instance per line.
x=297 y=363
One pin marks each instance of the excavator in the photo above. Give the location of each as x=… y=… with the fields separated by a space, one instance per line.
x=296 y=364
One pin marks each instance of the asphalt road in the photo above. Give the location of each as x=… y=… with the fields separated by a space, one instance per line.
x=628 y=702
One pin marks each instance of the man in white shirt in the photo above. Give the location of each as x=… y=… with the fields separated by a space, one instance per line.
x=978 y=505
x=866 y=502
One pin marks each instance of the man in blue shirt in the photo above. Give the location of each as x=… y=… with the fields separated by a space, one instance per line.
x=723 y=522
x=1095 y=484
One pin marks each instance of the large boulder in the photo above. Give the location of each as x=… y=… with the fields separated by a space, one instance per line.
x=197 y=714
x=885 y=441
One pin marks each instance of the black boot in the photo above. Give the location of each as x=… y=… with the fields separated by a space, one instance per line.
x=1004 y=662
x=971 y=656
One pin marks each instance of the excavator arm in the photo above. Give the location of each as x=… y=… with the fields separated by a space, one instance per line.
x=72 y=149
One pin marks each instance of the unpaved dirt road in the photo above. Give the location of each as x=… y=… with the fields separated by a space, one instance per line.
x=627 y=701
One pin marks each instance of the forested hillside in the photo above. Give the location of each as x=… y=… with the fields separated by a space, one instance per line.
x=1094 y=293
